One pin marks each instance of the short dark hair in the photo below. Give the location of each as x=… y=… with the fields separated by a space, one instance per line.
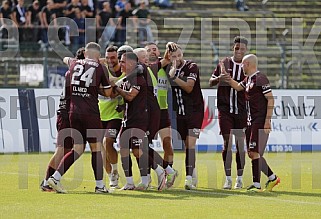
x=240 y=39
x=111 y=49
x=150 y=43
x=131 y=56
x=80 y=54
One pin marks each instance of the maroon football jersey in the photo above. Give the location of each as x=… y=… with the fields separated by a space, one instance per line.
x=64 y=100
x=136 y=112
x=256 y=86
x=228 y=99
x=186 y=103
x=86 y=76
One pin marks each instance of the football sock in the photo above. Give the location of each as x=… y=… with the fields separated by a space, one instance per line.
x=257 y=185
x=143 y=164
x=190 y=161
x=194 y=175
x=67 y=161
x=156 y=157
x=145 y=180
x=229 y=178
x=99 y=183
x=240 y=162
x=227 y=159
x=256 y=172
x=158 y=170
x=97 y=165
x=114 y=167
x=49 y=172
x=127 y=166
x=169 y=170
x=130 y=180
x=265 y=167
x=56 y=175
x=272 y=177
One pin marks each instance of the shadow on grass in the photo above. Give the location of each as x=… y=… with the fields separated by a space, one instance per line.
x=172 y=194
x=181 y=194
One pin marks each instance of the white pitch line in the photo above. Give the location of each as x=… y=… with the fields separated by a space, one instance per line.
x=193 y=191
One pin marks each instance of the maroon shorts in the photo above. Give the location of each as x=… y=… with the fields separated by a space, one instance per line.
x=165 y=122
x=132 y=137
x=85 y=128
x=256 y=138
x=153 y=124
x=111 y=128
x=232 y=122
x=190 y=125
x=63 y=132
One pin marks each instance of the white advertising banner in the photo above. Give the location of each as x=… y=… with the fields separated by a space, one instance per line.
x=296 y=121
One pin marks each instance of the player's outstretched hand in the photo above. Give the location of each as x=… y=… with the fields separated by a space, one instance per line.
x=172 y=71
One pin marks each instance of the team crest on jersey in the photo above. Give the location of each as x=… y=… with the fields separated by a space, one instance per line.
x=181 y=74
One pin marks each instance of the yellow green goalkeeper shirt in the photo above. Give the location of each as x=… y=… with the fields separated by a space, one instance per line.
x=107 y=105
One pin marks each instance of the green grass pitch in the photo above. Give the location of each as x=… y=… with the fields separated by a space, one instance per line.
x=298 y=195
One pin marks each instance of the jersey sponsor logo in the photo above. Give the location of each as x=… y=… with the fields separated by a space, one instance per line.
x=196 y=131
x=252 y=144
x=266 y=87
x=137 y=142
x=136 y=87
x=194 y=75
x=112 y=132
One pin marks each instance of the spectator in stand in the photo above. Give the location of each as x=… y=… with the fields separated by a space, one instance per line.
x=71 y=9
x=144 y=18
x=121 y=24
x=105 y=25
x=241 y=6
x=33 y=21
x=5 y=13
x=19 y=17
x=79 y=41
x=137 y=2
x=47 y=15
x=119 y=6
x=59 y=6
x=163 y=3
x=87 y=11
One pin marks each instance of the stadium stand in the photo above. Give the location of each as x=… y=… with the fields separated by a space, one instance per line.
x=289 y=64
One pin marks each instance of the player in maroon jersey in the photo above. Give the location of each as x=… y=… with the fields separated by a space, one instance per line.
x=87 y=77
x=260 y=104
x=153 y=54
x=188 y=104
x=64 y=141
x=135 y=124
x=154 y=111
x=231 y=111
